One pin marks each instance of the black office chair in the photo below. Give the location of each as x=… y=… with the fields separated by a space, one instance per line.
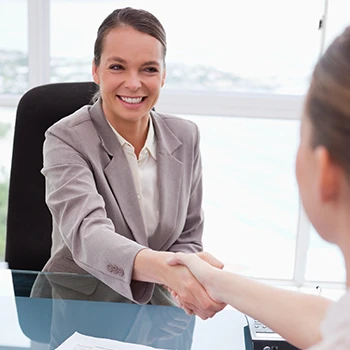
x=28 y=237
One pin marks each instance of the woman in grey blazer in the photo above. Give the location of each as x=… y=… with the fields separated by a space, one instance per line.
x=124 y=183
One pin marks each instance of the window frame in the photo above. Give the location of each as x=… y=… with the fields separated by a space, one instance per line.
x=207 y=103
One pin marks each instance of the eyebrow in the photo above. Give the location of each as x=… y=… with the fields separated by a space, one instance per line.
x=116 y=59
x=150 y=63
x=121 y=60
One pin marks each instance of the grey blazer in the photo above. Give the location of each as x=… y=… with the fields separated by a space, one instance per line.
x=97 y=222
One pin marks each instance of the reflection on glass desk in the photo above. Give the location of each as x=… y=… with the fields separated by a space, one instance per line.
x=45 y=320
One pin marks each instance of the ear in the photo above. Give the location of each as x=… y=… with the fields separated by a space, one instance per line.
x=164 y=76
x=95 y=74
x=328 y=174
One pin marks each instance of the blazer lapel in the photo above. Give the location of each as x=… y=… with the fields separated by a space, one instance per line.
x=170 y=171
x=118 y=174
x=120 y=178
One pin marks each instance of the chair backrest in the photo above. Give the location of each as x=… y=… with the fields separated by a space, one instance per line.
x=29 y=223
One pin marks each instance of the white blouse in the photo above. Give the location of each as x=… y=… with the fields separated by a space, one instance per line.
x=335 y=328
x=144 y=173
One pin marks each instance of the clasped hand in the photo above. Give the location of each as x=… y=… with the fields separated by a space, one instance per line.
x=189 y=294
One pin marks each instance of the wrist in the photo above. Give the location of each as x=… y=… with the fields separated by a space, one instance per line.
x=216 y=284
x=151 y=266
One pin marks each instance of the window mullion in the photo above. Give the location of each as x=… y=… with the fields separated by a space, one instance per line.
x=38 y=42
x=323 y=28
x=302 y=246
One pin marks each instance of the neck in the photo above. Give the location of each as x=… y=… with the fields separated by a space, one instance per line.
x=343 y=242
x=338 y=224
x=133 y=132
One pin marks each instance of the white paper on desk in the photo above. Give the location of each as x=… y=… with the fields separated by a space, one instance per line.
x=79 y=341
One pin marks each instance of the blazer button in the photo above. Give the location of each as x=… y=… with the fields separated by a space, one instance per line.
x=110 y=268
x=120 y=272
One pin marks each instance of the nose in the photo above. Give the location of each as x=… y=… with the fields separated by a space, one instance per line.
x=132 y=82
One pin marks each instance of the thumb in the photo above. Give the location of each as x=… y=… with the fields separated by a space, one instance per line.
x=210 y=259
x=176 y=259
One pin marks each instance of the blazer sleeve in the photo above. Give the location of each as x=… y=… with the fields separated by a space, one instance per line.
x=78 y=211
x=190 y=240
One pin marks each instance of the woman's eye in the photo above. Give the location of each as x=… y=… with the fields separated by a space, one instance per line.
x=116 y=67
x=151 y=70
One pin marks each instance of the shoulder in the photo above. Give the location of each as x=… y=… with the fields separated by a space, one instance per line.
x=181 y=127
x=76 y=129
x=80 y=117
x=335 y=327
x=173 y=120
x=340 y=340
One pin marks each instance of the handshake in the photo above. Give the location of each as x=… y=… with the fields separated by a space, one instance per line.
x=192 y=280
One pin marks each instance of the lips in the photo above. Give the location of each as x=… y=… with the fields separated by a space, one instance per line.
x=132 y=100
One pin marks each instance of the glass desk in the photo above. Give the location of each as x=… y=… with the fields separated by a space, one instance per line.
x=53 y=315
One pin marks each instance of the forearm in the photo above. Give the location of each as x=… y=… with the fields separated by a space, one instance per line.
x=151 y=266
x=295 y=316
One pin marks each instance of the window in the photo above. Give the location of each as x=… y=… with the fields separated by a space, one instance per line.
x=13 y=47
x=337 y=19
x=241 y=46
x=72 y=44
x=250 y=194
x=6 y=135
x=324 y=261
x=240 y=71
x=13 y=81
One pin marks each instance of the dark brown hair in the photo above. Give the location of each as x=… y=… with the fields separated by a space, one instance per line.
x=141 y=20
x=328 y=101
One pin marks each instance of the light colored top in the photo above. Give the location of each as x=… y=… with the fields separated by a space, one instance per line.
x=335 y=328
x=144 y=173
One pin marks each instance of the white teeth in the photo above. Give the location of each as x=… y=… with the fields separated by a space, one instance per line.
x=131 y=100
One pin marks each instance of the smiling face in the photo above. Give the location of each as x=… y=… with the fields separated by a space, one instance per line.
x=130 y=75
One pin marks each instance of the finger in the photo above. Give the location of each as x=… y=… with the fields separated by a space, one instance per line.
x=196 y=308
x=188 y=311
x=210 y=259
x=205 y=306
x=177 y=259
x=187 y=307
x=191 y=294
x=192 y=261
x=200 y=314
x=173 y=294
x=177 y=301
x=167 y=288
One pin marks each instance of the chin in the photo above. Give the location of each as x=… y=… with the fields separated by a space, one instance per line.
x=130 y=114
x=326 y=234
